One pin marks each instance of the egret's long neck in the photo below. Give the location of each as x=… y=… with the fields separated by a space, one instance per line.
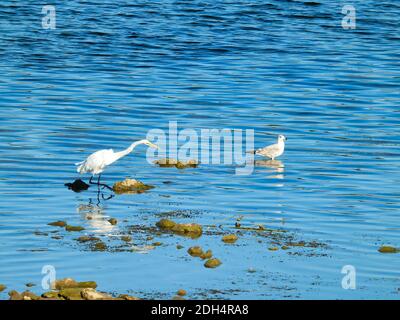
x=123 y=153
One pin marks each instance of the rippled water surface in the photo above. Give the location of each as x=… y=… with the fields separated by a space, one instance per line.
x=113 y=70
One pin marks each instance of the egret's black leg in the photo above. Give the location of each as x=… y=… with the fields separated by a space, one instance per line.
x=98 y=196
x=103 y=184
x=91 y=180
x=108 y=198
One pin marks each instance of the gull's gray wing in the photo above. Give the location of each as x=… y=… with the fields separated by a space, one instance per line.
x=269 y=151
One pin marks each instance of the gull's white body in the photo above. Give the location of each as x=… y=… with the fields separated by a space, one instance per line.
x=274 y=150
x=98 y=161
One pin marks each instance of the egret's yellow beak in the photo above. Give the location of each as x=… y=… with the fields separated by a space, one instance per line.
x=153 y=145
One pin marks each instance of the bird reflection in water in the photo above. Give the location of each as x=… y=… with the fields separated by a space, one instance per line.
x=95 y=217
x=274 y=166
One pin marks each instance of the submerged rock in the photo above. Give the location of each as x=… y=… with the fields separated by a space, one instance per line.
x=50 y=295
x=71 y=293
x=181 y=292
x=100 y=246
x=87 y=239
x=388 y=249
x=74 y=228
x=58 y=224
x=113 y=221
x=71 y=283
x=177 y=163
x=230 y=238
x=212 y=263
x=192 y=230
x=127 y=297
x=77 y=186
x=26 y=295
x=2 y=287
x=126 y=238
x=131 y=186
x=207 y=255
x=195 y=251
x=92 y=294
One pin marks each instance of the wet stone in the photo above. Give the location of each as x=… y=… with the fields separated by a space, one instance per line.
x=58 y=224
x=212 y=263
x=74 y=228
x=195 y=251
x=388 y=249
x=230 y=238
x=192 y=230
x=131 y=186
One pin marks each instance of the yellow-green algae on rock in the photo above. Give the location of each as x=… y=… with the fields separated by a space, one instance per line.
x=87 y=239
x=206 y=255
x=26 y=295
x=230 y=238
x=181 y=292
x=2 y=287
x=212 y=263
x=167 y=162
x=195 y=251
x=69 y=289
x=58 y=224
x=74 y=228
x=388 y=249
x=71 y=283
x=131 y=186
x=192 y=230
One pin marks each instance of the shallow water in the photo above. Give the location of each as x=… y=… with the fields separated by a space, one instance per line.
x=109 y=73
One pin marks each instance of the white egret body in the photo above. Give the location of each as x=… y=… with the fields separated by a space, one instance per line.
x=98 y=161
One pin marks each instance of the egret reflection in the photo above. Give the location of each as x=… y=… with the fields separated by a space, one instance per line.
x=95 y=217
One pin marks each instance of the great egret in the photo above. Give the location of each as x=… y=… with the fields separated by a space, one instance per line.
x=274 y=150
x=98 y=161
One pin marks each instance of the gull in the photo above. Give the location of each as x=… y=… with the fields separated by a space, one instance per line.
x=273 y=151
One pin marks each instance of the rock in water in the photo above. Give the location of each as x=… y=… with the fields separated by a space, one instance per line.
x=58 y=224
x=192 y=230
x=388 y=249
x=77 y=186
x=177 y=163
x=131 y=186
x=92 y=294
x=230 y=238
x=212 y=263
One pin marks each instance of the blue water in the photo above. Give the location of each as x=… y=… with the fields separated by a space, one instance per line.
x=111 y=71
